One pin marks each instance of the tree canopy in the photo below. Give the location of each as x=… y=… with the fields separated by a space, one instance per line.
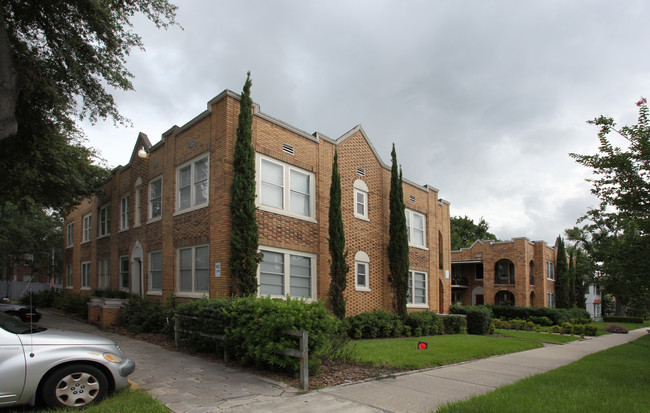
x=464 y=232
x=398 y=244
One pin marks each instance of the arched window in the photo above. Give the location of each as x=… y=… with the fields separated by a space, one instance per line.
x=360 y=199
x=504 y=298
x=362 y=271
x=441 y=256
x=532 y=299
x=504 y=272
x=531 y=272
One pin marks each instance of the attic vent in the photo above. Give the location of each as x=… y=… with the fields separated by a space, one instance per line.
x=361 y=171
x=412 y=198
x=286 y=148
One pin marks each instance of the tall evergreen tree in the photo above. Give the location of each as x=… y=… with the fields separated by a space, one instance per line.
x=571 y=272
x=398 y=245
x=562 y=282
x=338 y=255
x=582 y=268
x=244 y=241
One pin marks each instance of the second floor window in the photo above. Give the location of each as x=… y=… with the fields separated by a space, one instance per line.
x=285 y=188
x=360 y=199
x=550 y=270
x=105 y=220
x=415 y=224
x=192 y=184
x=70 y=234
x=124 y=213
x=155 y=198
x=87 y=221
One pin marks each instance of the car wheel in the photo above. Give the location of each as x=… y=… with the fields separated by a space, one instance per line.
x=76 y=385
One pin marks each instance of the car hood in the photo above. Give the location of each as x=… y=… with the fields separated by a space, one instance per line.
x=64 y=337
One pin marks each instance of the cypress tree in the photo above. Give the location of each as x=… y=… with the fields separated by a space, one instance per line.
x=398 y=245
x=244 y=255
x=338 y=265
x=562 y=282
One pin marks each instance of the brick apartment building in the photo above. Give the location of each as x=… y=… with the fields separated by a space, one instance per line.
x=518 y=272
x=163 y=225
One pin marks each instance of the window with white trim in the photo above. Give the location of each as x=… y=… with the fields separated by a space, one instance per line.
x=87 y=227
x=192 y=184
x=85 y=275
x=361 y=271
x=194 y=269
x=104 y=221
x=360 y=199
x=124 y=272
x=68 y=276
x=155 y=271
x=284 y=272
x=415 y=224
x=70 y=234
x=138 y=206
x=550 y=270
x=104 y=273
x=155 y=198
x=550 y=297
x=285 y=189
x=417 y=290
x=124 y=212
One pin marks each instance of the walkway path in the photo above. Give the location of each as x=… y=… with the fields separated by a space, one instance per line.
x=189 y=384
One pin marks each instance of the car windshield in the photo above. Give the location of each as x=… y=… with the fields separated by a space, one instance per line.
x=16 y=326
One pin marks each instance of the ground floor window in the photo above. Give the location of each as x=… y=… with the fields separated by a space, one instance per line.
x=551 y=300
x=193 y=269
x=504 y=298
x=104 y=273
x=155 y=270
x=285 y=272
x=68 y=276
x=85 y=275
x=417 y=292
x=124 y=272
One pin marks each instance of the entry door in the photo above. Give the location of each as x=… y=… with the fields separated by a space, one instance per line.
x=135 y=277
x=479 y=299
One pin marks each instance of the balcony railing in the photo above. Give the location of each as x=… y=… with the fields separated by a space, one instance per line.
x=459 y=281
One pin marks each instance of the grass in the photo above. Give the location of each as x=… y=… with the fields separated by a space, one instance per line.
x=125 y=401
x=629 y=326
x=534 y=336
x=447 y=349
x=612 y=380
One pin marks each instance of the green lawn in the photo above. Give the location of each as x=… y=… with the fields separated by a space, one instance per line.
x=614 y=380
x=447 y=349
x=534 y=336
x=629 y=326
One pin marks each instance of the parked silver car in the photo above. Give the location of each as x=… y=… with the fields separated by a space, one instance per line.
x=61 y=368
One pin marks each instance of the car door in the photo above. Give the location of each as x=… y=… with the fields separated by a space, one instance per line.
x=12 y=367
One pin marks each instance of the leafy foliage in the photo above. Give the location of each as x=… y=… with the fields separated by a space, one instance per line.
x=338 y=255
x=464 y=232
x=562 y=279
x=616 y=328
x=141 y=315
x=479 y=318
x=398 y=245
x=244 y=238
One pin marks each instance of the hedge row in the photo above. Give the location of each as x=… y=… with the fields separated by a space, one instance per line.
x=557 y=316
x=621 y=319
x=479 y=318
x=382 y=324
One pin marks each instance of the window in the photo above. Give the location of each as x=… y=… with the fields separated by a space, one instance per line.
x=155 y=270
x=550 y=270
x=504 y=298
x=417 y=292
x=283 y=273
x=68 y=276
x=192 y=184
x=193 y=269
x=155 y=198
x=138 y=206
x=124 y=272
x=360 y=199
x=85 y=275
x=105 y=220
x=551 y=300
x=70 y=234
x=87 y=220
x=284 y=188
x=124 y=213
x=531 y=273
x=361 y=273
x=478 y=271
x=104 y=273
x=415 y=226
x=504 y=272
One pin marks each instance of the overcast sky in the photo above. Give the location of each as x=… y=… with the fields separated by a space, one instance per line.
x=484 y=100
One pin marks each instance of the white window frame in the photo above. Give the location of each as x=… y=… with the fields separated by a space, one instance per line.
x=550 y=298
x=157 y=200
x=411 y=229
x=87 y=227
x=104 y=273
x=70 y=235
x=124 y=212
x=361 y=260
x=69 y=280
x=287 y=274
x=193 y=292
x=412 y=288
x=124 y=272
x=361 y=190
x=286 y=189
x=104 y=225
x=157 y=272
x=86 y=275
x=550 y=271
x=193 y=184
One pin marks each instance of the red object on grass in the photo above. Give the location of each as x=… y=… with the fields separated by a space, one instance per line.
x=423 y=345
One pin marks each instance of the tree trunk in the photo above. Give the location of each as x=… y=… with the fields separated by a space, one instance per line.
x=621 y=307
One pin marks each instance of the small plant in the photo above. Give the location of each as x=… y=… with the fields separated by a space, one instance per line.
x=566 y=328
x=591 y=330
x=616 y=328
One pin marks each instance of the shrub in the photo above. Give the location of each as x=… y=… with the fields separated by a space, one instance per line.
x=454 y=324
x=566 y=328
x=567 y=314
x=502 y=324
x=517 y=324
x=376 y=324
x=620 y=319
x=556 y=329
x=579 y=329
x=591 y=330
x=45 y=298
x=580 y=320
x=72 y=304
x=140 y=315
x=542 y=320
x=425 y=323
x=616 y=328
x=110 y=293
x=479 y=318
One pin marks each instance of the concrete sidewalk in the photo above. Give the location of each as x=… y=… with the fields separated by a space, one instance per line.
x=189 y=384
